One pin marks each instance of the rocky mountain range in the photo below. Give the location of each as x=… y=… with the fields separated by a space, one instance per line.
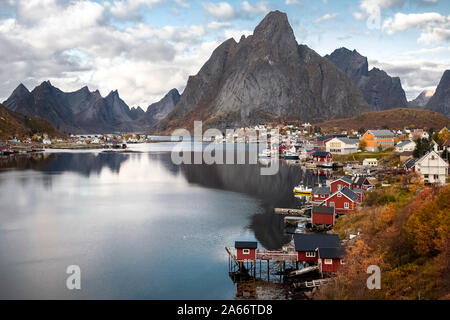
x=421 y=100
x=265 y=77
x=380 y=90
x=84 y=111
x=440 y=101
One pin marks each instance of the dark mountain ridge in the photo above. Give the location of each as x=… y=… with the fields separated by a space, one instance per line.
x=381 y=91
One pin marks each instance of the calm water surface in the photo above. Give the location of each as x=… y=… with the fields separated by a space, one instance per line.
x=138 y=226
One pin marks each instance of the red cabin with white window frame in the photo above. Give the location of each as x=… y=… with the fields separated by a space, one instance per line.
x=246 y=250
x=306 y=245
x=330 y=259
x=340 y=184
x=343 y=201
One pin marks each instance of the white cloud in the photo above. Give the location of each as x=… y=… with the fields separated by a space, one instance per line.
x=434 y=27
x=220 y=10
x=259 y=8
x=218 y=25
x=290 y=2
x=128 y=9
x=237 y=34
x=326 y=17
x=73 y=44
x=416 y=74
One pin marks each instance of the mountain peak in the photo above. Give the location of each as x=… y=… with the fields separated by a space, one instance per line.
x=275 y=24
x=21 y=89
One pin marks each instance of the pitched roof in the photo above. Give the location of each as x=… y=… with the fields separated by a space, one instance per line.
x=245 y=244
x=310 y=242
x=349 y=140
x=331 y=253
x=348 y=179
x=410 y=163
x=321 y=190
x=404 y=143
x=382 y=133
x=432 y=152
x=323 y=209
x=349 y=194
x=320 y=154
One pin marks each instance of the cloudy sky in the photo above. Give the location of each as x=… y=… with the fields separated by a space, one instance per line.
x=144 y=48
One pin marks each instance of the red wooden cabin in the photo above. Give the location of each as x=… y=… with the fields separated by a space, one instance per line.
x=322 y=157
x=319 y=194
x=306 y=245
x=330 y=259
x=340 y=183
x=323 y=215
x=246 y=250
x=342 y=201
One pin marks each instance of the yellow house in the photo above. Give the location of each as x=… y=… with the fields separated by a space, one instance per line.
x=378 y=138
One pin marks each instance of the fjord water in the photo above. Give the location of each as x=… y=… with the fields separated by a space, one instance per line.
x=138 y=226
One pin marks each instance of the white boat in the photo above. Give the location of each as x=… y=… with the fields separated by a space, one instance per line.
x=302 y=190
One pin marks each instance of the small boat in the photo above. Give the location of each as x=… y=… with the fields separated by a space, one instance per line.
x=290 y=154
x=302 y=190
x=327 y=165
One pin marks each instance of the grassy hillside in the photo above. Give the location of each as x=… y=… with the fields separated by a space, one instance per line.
x=392 y=119
x=405 y=230
x=14 y=124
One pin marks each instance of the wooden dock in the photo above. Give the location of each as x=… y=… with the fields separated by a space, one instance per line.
x=312 y=284
x=289 y=211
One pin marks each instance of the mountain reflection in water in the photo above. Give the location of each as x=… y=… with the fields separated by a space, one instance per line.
x=134 y=215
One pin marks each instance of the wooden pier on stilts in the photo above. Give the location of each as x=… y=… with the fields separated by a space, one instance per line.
x=265 y=262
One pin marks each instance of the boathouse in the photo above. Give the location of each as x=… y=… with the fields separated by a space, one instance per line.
x=306 y=245
x=319 y=194
x=246 y=250
x=323 y=215
x=341 y=183
x=322 y=157
x=343 y=200
x=330 y=259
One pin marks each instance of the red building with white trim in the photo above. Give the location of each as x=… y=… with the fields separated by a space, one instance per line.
x=330 y=259
x=342 y=201
x=246 y=250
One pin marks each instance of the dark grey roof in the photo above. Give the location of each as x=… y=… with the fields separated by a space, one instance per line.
x=245 y=244
x=349 y=193
x=411 y=162
x=320 y=154
x=359 y=180
x=357 y=190
x=403 y=143
x=323 y=209
x=310 y=242
x=321 y=190
x=331 y=252
x=348 y=179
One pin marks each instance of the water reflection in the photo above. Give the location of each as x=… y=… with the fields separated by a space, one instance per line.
x=132 y=222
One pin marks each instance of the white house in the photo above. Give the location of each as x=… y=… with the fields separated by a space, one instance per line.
x=46 y=141
x=404 y=146
x=370 y=162
x=342 y=145
x=432 y=168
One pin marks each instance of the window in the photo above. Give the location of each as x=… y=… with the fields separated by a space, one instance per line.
x=246 y=251
x=436 y=177
x=342 y=261
x=328 y=261
x=322 y=196
x=346 y=205
x=339 y=187
x=339 y=195
x=310 y=254
x=331 y=204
